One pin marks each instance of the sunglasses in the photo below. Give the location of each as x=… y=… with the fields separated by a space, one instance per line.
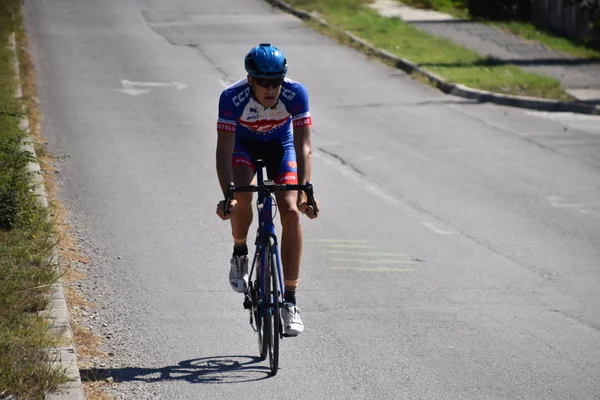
x=268 y=82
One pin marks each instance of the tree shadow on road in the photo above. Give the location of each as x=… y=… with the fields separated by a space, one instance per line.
x=219 y=369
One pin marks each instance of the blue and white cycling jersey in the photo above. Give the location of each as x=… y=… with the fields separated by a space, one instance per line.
x=243 y=115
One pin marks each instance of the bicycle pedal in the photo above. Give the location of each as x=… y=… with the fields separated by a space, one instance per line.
x=247 y=303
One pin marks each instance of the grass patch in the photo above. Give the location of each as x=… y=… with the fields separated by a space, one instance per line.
x=456 y=8
x=525 y=30
x=452 y=62
x=554 y=42
x=26 y=245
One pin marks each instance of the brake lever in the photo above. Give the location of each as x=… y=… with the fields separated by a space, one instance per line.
x=311 y=197
x=228 y=198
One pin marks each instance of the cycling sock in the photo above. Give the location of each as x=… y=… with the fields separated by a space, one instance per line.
x=290 y=295
x=240 y=249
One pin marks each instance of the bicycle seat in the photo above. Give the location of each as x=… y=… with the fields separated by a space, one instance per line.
x=260 y=163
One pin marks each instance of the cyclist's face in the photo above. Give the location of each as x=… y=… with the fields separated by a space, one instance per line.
x=266 y=91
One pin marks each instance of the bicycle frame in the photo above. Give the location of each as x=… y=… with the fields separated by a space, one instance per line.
x=266 y=232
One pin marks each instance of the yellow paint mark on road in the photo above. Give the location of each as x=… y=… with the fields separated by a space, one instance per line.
x=366 y=254
x=375 y=269
x=336 y=241
x=344 y=246
x=354 y=260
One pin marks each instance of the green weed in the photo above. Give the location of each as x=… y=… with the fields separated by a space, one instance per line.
x=26 y=247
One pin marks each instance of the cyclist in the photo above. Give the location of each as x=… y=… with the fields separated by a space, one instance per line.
x=266 y=116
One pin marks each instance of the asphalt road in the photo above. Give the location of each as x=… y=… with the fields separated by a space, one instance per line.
x=456 y=256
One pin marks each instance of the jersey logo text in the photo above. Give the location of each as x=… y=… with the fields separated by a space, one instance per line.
x=237 y=100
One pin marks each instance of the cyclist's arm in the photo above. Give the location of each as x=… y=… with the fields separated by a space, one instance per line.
x=303 y=146
x=225 y=146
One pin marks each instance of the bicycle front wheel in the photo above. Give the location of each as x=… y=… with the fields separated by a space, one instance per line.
x=262 y=327
x=273 y=315
x=258 y=308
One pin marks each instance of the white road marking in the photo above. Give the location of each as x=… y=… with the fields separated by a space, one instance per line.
x=133 y=91
x=127 y=83
x=179 y=85
x=558 y=202
x=436 y=229
x=133 y=88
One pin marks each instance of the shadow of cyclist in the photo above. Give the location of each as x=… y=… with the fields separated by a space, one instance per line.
x=219 y=369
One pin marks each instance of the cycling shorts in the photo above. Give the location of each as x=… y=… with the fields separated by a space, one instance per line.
x=278 y=156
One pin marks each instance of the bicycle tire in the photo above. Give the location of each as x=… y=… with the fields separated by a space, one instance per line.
x=260 y=319
x=274 y=314
x=259 y=314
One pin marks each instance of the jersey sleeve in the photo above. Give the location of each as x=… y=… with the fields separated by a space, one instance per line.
x=300 y=108
x=226 y=121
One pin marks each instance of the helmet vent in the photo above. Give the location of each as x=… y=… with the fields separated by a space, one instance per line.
x=266 y=61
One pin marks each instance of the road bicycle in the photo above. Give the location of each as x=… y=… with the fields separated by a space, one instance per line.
x=265 y=295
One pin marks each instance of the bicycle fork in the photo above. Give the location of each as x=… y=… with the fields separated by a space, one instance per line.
x=252 y=295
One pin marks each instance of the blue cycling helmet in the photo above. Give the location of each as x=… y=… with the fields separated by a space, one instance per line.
x=266 y=61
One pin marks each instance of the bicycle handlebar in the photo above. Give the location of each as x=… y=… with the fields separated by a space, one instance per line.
x=270 y=187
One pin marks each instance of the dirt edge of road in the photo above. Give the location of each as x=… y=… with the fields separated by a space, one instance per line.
x=87 y=343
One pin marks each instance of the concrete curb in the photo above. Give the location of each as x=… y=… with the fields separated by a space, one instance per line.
x=63 y=357
x=459 y=90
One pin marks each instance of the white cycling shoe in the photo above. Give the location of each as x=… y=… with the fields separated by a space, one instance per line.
x=292 y=324
x=238 y=274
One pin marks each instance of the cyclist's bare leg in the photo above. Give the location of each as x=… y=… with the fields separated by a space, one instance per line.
x=241 y=219
x=291 y=237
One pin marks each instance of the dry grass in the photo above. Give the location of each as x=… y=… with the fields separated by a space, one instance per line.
x=93 y=391
x=26 y=244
